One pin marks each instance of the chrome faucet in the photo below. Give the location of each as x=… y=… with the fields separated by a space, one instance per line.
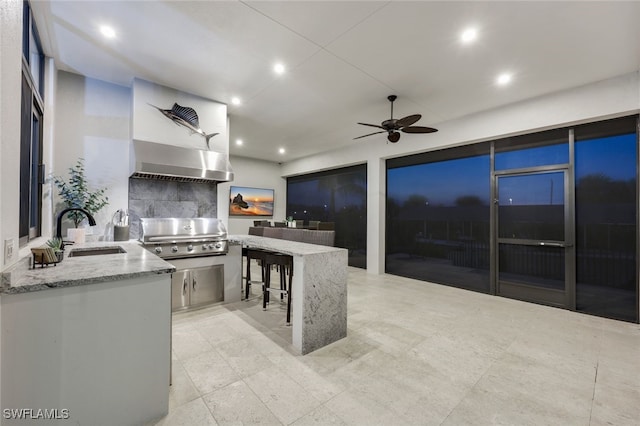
x=92 y=222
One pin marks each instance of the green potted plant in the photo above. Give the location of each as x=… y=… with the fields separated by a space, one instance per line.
x=76 y=193
x=56 y=244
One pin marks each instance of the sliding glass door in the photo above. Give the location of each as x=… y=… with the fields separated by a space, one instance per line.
x=549 y=217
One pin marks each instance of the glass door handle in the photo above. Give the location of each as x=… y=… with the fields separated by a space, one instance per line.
x=549 y=244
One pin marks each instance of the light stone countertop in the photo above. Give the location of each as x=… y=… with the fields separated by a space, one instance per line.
x=83 y=270
x=318 y=289
x=293 y=248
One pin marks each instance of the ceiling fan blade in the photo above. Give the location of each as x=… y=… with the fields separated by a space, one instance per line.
x=373 y=125
x=408 y=120
x=374 y=133
x=418 y=129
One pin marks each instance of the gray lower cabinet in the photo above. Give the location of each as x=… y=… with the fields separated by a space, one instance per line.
x=197 y=286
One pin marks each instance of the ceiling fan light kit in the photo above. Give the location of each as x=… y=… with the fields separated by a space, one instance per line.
x=393 y=126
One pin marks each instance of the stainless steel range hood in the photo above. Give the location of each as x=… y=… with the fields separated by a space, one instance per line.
x=167 y=162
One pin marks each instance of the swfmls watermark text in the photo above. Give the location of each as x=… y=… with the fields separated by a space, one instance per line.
x=35 y=413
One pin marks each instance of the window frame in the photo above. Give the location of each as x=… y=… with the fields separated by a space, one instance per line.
x=31 y=138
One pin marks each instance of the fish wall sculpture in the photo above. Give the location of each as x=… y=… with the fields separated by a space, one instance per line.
x=186 y=117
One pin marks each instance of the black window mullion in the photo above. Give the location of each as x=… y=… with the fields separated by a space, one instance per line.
x=25 y=159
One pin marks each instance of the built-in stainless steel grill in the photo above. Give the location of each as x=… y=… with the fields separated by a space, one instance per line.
x=174 y=238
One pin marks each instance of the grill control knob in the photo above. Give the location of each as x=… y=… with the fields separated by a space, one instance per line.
x=218 y=245
x=204 y=247
x=210 y=246
x=189 y=247
x=158 y=250
x=174 y=249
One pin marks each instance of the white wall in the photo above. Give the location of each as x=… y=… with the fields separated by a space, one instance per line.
x=10 y=88
x=93 y=121
x=151 y=125
x=601 y=100
x=256 y=174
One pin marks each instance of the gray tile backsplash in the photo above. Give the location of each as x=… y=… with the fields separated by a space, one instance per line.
x=158 y=198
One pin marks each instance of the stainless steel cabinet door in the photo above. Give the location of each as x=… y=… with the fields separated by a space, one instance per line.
x=207 y=285
x=180 y=284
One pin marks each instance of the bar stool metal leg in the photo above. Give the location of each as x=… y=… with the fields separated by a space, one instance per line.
x=289 y=293
x=284 y=263
x=247 y=275
x=260 y=257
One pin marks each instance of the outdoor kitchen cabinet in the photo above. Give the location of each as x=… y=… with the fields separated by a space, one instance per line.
x=197 y=286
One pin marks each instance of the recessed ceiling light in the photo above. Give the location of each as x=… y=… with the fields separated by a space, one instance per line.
x=469 y=35
x=281 y=151
x=236 y=100
x=107 y=31
x=279 y=68
x=239 y=142
x=504 y=79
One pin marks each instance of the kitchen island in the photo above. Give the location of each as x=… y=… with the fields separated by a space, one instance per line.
x=319 y=289
x=89 y=337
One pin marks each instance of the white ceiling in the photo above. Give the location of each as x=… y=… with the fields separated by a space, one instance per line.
x=342 y=58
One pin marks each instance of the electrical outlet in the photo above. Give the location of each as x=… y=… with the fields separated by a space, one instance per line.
x=8 y=250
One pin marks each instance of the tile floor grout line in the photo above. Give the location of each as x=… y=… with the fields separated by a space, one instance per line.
x=260 y=399
x=208 y=408
x=190 y=381
x=478 y=381
x=593 y=395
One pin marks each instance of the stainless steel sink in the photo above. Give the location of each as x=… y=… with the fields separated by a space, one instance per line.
x=96 y=251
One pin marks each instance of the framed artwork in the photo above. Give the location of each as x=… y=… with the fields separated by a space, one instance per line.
x=245 y=201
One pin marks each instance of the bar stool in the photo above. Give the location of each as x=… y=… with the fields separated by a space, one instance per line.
x=283 y=262
x=260 y=256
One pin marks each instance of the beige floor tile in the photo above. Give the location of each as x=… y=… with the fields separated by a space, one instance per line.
x=341 y=353
x=350 y=373
x=320 y=387
x=557 y=354
x=389 y=337
x=619 y=405
x=209 y=371
x=321 y=416
x=616 y=399
x=216 y=331
x=418 y=392
x=189 y=414
x=621 y=346
x=616 y=374
x=249 y=364
x=354 y=408
x=283 y=396
x=461 y=359
x=240 y=346
x=191 y=317
x=187 y=342
x=519 y=390
x=182 y=389
x=236 y=404
x=269 y=343
x=493 y=407
x=416 y=353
